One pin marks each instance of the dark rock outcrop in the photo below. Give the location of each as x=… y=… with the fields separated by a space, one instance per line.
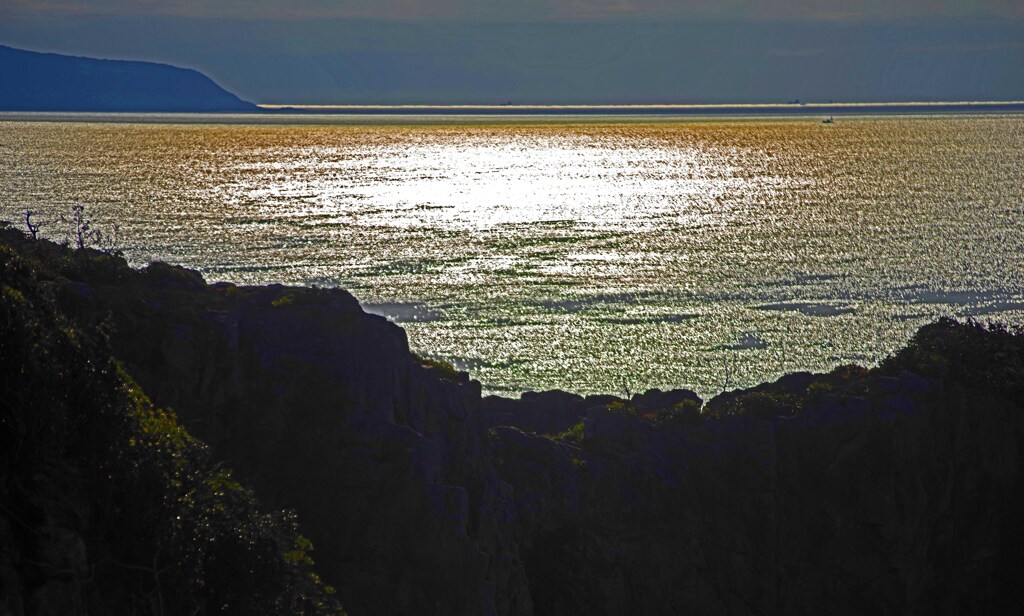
x=893 y=495
x=894 y=490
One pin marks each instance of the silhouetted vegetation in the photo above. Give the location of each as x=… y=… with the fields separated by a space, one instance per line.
x=80 y=230
x=444 y=369
x=685 y=412
x=107 y=505
x=788 y=396
x=32 y=227
x=976 y=355
x=574 y=434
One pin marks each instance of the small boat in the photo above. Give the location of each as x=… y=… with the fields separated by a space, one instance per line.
x=828 y=121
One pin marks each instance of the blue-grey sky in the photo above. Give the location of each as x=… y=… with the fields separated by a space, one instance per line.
x=553 y=51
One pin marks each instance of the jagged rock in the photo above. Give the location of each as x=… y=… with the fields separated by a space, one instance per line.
x=855 y=492
x=664 y=402
x=547 y=412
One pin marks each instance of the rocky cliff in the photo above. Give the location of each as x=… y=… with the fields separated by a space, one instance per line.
x=107 y=505
x=893 y=490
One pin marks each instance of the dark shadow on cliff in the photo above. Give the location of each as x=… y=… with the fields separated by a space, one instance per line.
x=107 y=505
x=891 y=490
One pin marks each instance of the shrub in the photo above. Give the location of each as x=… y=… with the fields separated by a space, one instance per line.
x=165 y=528
x=687 y=412
x=283 y=300
x=80 y=231
x=621 y=406
x=973 y=354
x=574 y=434
x=443 y=369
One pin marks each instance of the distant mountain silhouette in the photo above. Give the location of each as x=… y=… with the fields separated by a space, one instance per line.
x=32 y=81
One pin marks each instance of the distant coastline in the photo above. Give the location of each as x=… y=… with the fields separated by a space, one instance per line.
x=49 y=82
x=739 y=109
x=490 y=114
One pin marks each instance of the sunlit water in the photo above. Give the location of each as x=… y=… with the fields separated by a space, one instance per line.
x=592 y=257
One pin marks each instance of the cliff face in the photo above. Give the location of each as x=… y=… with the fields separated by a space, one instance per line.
x=323 y=408
x=859 y=491
x=107 y=506
x=897 y=498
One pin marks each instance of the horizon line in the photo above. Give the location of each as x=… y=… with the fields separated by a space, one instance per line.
x=627 y=106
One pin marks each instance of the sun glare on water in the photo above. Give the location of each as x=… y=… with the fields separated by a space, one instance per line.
x=589 y=257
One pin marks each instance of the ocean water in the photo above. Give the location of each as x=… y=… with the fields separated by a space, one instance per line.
x=588 y=254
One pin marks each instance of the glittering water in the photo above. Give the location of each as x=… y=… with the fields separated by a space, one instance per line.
x=589 y=256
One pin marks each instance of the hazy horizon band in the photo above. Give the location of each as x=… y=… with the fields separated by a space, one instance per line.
x=767 y=106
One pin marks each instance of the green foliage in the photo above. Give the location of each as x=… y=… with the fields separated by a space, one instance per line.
x=818 y=389
x=790 y=395
x=686 y=412
x=574 y=434
x=292 y=296
x=51 y=261
x=166 y=529
x=284 y=300
x=444 y=369
x=766 y=405
x=620 y=406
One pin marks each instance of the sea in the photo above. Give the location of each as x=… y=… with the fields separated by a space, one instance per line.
x=589 y=253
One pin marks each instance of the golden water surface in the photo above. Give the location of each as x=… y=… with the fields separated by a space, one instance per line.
x=588 y=256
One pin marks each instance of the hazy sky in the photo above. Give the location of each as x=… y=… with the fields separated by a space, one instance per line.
x=553 y=51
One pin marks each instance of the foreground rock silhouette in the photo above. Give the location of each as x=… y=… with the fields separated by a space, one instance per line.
x=892 y=490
